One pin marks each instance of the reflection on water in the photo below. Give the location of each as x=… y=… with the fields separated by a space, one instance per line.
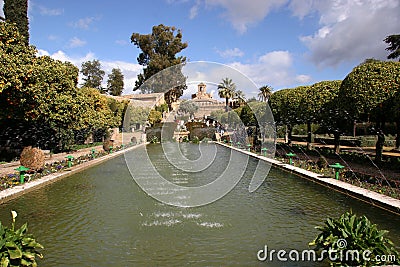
x=100 y=217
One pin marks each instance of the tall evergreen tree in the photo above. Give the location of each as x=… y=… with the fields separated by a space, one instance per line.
x=159 y=51
x=93 y=75
x=394 y=46
x=158 y=54
x=16 y=11
x=115 y=83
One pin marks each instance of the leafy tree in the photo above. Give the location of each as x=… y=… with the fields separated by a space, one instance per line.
x=227 y=90
x=365 y=92
x=238 y=99
x=265 y=93
x=394 y=103
x=188 y=107
x=247 y=116
x=394 y=46
x=136 y=115
x=16 y=11
x=158 y=54
x=286 y=107
x=154 y=117
x=93 y=74
x=115 y=83
x=314 y=101
x=40 y=99
x=16 y=71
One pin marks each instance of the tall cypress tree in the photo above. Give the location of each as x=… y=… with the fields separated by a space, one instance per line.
x=16 y=11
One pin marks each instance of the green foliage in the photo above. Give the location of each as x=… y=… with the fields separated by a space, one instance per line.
x=118 y=108
x=154 y=117
x=195 y=140
x=154 y=140
x=217 y=115
x=316 y=98
x=368 y=86
x=16 y=11
x=265 y=93
x=352 y=233
x=115 y=82
x=16 y=60
x=162 y=108
x=226 y=89
x=247 y=116
x=159 y=51
x=135 y=116
x=93 y=74
x=188 y=107
x=286 y=105
x=17 y=247
x=394 y=46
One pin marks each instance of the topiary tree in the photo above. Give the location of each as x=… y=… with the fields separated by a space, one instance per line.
x=365 y=92
x=16 y=11
x=32 y=158
x=285 y=106
x=314 y=101
x=188 y=107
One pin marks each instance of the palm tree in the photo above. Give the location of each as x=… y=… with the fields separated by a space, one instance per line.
x=265 y=93
x=226 y=89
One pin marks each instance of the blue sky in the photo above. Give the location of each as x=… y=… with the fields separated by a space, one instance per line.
x=282 y=43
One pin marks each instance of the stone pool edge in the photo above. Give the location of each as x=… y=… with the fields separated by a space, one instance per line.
x=16 y=191
x=379 y=200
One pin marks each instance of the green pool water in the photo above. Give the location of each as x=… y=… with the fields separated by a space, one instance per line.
x=101 y=217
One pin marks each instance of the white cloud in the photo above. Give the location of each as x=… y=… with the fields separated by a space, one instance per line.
x=76 y=42
x=277 y=59
x=274 y=69
x=230 y=53
x=303 y=79
x=1 y=8
x=349 y=30
x=121 y=42
x=241 y=14
x=52 y=37
x=129 y=70
x=50 y=12
x=84 y=23
x=193 y=11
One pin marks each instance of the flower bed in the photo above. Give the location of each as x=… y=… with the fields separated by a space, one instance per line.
x=12 y=179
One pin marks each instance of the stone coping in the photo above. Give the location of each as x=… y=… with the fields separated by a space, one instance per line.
x=16 y=191
x=373 y=198
x=376 y=199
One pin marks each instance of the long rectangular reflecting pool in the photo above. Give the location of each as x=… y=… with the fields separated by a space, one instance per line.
x=101 y=217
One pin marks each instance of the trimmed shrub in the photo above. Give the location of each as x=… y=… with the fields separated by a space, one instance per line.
x=32 y=158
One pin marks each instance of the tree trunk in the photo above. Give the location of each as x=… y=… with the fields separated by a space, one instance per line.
x=379 y=146
x=226 y=104
x=336 y=141
x=309 y=135
x=398 y=134
x=289 y=134
x=354 y=128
